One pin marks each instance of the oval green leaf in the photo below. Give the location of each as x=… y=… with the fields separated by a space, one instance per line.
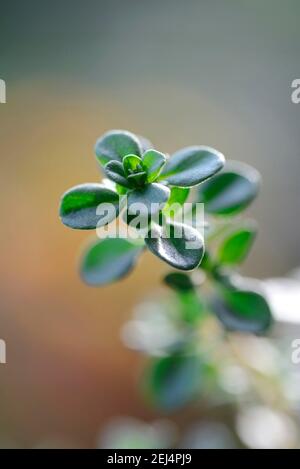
x=192 y=165
x=78 y=206
x=230 y=191
x=180 y=246
x=153 y=162
x=108 y=260
x=244 y=311
x=148 y=200
x=172 y=382
x=132 y=164
x=115 y=171
x=236 y=246
x=179 y=281
x=116 y=144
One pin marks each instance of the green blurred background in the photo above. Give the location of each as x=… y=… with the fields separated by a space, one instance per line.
x=198 y=72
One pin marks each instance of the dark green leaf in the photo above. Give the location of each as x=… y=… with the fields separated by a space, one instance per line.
x=132 y=164
x=153 y=162
x=109 y=260
x=138 y=179
x=78 y=207
x=244 y=311
x=179 y=281
x=181 y=246
x=148 y=200
x=192 y=165
x=236 y=246
x=172 y=382
x=176 y=200
x=230 y=191
x=115 y=171
x=116 y=144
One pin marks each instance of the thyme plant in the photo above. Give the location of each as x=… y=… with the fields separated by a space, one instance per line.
x=137 y=176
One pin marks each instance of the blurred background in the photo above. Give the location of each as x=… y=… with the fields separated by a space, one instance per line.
x=212 y=72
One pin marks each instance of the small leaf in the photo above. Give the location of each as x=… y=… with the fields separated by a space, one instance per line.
x=244 y=311
x=109 y=260
x=176 y=200
x=116 y=144
x=230 y=191
x=132 y=164
x=172 y=382
x=181 y=246
x=192 y=165
x=153 y=162
x=138 y=179
x=179 y=281
x=150 y=199
x=115 y=171
x=236 y=246
x=78 y=207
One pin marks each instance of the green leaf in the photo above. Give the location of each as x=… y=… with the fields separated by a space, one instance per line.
x=121 y=190
x=236 y=246
x=192 y=310
x=78 y=206
x=230 y=191
x=138 y=179
x=109 y=260
x=172 y=382
x=116 y=144
x=132 y=164
x=115 y=171
x=150 y=199
x=178 y=197
x=153 y=162
x=192 y=165
x=179 y=281
x=244 y=311
x=179 y=245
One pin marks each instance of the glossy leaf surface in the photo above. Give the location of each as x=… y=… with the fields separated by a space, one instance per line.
x=181 y=246
x=116 y=144
x=192 y=165
x=78 y=206
x=153 y=162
